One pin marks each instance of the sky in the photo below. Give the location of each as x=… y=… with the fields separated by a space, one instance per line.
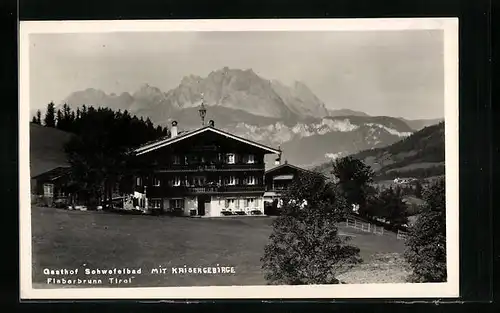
x=396 y=73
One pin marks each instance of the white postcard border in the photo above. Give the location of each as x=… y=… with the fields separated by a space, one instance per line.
x=427 y=290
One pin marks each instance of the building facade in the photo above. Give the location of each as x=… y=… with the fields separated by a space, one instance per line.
x=206 y=172
x=278 y=179
x=50 y=186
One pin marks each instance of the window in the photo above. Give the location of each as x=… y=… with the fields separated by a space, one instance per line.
x=177 y=203
x=231 y=180
x=156 y=182
x=231 y=158
x=48 y=190
x=176 y=181
x=199 y=180
x=155 y=203
x=251 y=180
x=176 y=159
x=230 y=204
x=138 y=181
x=251 y=159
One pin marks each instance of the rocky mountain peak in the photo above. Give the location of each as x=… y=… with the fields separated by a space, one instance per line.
x=148 y=91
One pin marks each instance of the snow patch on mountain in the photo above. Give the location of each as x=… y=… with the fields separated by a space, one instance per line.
x=279 y=133
x=334 y=156
x=391 y=131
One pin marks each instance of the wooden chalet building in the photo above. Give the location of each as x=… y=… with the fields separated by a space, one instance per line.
x=50 y=186
x=279 y=178
x=204 y=172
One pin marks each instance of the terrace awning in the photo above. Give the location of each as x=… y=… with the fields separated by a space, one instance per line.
x=270 y=194
x=283 y=177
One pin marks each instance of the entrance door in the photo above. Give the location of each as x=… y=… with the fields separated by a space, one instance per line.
x=201 y=204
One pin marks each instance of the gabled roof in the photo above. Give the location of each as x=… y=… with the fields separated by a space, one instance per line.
x=291 y=166
x=54 y=173
x=168 y=141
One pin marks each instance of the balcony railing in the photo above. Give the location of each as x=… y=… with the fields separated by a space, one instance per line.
x=186 y=190
x=211 y=167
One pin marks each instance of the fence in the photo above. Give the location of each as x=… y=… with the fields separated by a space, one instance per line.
x=402 y=235
x=366 y=227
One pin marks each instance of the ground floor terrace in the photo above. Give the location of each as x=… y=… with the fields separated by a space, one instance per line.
x=203 y=205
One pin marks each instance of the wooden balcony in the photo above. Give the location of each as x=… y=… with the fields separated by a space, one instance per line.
x=218 y=167
x=171 y=191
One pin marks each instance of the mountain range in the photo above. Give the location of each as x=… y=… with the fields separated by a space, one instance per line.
x=268 y=111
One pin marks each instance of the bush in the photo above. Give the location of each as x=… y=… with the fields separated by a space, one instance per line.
x=304 y=247
x=426 y=243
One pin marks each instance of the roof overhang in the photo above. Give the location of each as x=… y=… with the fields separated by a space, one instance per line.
x=294 y=167
x=169 y=141
x=283 y=177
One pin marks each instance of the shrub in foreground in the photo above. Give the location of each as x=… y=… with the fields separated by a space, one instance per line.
x=426 y=243
x=305 y=247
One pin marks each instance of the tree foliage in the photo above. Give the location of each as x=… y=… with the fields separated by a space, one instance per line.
x=305 y=247
x=38 y=117
x=426 y=243
x=353 y=177
x=98 y=152
x=50 y=117
x=389 y=204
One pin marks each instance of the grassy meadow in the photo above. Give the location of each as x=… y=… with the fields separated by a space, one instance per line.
x=90 y=240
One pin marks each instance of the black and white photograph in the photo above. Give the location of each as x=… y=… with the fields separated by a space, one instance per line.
x=239 y=159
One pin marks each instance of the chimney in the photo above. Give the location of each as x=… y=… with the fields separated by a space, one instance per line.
x=278 y=159
x=211 y=123
x=173 y=131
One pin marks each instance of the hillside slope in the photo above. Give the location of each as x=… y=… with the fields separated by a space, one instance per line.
x=420 y=155
x=47 y=148
x=419 y=124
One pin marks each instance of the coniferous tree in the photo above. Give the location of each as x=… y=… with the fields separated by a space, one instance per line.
x=50 y=117
x=418 y=189
x=38 y=117
x=59 y=120
x=305 y=247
